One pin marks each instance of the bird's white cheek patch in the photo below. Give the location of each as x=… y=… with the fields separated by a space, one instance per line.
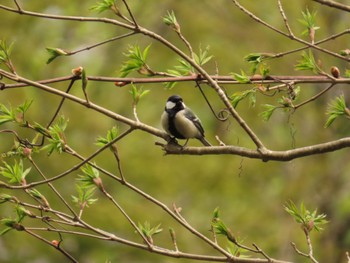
x=169 y=105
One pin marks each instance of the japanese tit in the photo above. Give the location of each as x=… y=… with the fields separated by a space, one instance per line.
x=180 y=122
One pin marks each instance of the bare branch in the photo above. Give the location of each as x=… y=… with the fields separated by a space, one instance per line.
x=334 y=4
x=266 y=155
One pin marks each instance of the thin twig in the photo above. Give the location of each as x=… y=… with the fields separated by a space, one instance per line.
x=131 y=14
x=334 y=4
x=308 y=44
x=70 y=53
x=285 y=19
x=65 y=253
x=313 y=97
x=51 y=186
x=128 y=218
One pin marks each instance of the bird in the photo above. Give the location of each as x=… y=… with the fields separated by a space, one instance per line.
x=180 y=122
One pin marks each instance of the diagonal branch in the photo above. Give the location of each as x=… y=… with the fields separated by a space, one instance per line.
x=292 y=37
x=267 y=155
x=334 y=4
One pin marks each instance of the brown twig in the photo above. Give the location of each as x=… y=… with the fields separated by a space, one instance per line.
x=65 y=253
x=292 y=37
x=334 y=4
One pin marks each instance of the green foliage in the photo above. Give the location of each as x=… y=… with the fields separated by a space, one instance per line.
x=5 y=53
x=57 y=139
x=336 y=108
x=185 y=68
x=89 y=177
x=203 y=56
x=84 y=79
x=308 y=220
x=170 y=20
x=257 y=60
x=238 y=96
x=104 y=5
x=11 y=223
x=111 y=135
x=6 y=198
x=136 y=61
x=149 y=231
x=269 y=110
x=308 y=62
x=309 y=21
x=38 y=196
x=345 y=52
x=285 y=103
x=347 y=73
x=85 y=195
x=137 y=93
x=8 y=114
x=220 y=228
x=55 y=53
x=241 y=78
x=14 y=173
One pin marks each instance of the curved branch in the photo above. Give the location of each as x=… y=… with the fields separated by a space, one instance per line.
x=334 y=4
x=133 y=124
x=267 y=155
x=292 y=37
x=256 y=79
x=72 y=18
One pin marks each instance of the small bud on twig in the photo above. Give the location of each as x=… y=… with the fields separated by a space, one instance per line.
x=77 y=71
x=335 y=72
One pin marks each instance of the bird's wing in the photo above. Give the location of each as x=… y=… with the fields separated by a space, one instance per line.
x=196 y=121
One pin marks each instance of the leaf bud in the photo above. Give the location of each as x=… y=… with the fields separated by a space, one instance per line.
x=77 y=71
x=335 y=72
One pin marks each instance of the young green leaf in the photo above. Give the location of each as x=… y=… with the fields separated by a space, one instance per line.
x=7 y=114
x=241 y=95
x=267 y=113
x=38 y=196
x=104 y=5
x=347 y=73
x=184 y=69
x=241 y=78
x=137 y=93
x=308 y=220
x=15 y=173
x=337 y=108
x=308 y=62
x=111 y=135
x=91 y=177
x=85 y=194
x=57 y=139
x=257 y=61
x=203 y=57
x=55 y=53
x=170 y=20
x=5 y=53
x=136 y=62
x=309 y=21
x=24 y=106
x=149 y=231
x=236 y=250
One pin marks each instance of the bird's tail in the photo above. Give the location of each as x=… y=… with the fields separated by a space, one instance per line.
x=204 y=141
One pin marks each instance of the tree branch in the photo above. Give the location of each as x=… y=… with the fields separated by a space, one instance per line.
x=267 y=155
x=334 y=4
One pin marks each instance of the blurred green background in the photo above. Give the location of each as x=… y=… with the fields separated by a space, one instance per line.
x=249 y=193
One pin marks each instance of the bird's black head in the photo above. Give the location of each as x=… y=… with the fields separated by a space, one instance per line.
x=175 y=98
x=174 y=103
